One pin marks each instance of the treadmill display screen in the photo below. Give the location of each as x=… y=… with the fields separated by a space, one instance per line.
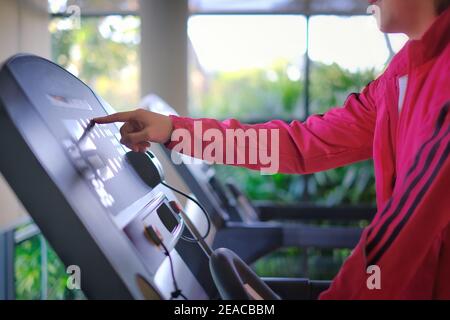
x=167 y=217
x=66 y=105
x=60 y=101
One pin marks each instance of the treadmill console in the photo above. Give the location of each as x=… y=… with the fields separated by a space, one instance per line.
x=84 y=194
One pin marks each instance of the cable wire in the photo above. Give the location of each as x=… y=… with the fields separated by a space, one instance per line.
x=177 y=291
x=208 y=229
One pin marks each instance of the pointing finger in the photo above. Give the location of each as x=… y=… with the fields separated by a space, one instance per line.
x=116 y=117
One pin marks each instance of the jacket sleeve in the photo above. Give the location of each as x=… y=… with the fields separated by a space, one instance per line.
x=340 y=136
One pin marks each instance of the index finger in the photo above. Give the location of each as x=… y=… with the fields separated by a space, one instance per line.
x=115 y=117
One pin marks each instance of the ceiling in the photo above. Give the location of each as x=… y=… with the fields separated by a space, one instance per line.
x=307 y=7
x=311 y=7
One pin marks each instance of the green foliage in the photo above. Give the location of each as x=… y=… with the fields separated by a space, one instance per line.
x=248 y=94
x=331 y=84
x=101 y=54
x=300 y=262
x=94 y=54
x=28 y=275
x=27 y=264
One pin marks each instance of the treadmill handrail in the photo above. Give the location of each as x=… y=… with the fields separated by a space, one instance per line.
x=307 y=211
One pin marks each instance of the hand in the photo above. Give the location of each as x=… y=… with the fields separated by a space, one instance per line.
x=141 y=128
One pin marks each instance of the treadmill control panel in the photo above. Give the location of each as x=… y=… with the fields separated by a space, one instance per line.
x=99 y=156
x=84 y=195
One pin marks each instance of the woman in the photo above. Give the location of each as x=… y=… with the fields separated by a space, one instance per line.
x=402 y=121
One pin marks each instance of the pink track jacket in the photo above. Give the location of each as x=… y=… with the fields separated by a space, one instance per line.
x=402 y=121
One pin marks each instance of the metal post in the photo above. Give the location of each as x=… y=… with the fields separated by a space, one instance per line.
x=305 y=196
x=44 y=269
x=7 y=288
x=307 y=71
x=389 y=47
x=164 y=45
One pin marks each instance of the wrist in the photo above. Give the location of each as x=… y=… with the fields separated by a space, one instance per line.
x=172 y=126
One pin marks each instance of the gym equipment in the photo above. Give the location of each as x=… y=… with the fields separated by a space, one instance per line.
x=109 y=213
x=89 y=202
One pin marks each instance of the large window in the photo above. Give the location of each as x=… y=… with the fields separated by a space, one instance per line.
x=347 y=53
x=247 y=66
x=103 y=52
x=255 y=68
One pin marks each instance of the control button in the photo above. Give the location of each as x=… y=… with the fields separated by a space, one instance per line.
x=74 y=153
x=176 y=207
x=82 y=123
x=88 y=174
x=97 y=184
x=113 y=165
x=74 y=128
x=72 y=149
x=105 y=173
x=101 y=168
x=96 y=162
x=83 y=167
x=97 y=134
x=87 y=144
x=80 y=164
x=67 y=144
x=106 y=199
x=153 y=235
x=117 y=162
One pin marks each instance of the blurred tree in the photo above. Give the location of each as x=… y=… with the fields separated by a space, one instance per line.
x=269 y=94
x=104 y=53
x=248 y=94
x=28 y=273
x=331 y=84
x=27 y=269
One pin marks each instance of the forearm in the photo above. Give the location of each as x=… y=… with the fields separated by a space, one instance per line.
x=298 y=147
x=227 y=142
